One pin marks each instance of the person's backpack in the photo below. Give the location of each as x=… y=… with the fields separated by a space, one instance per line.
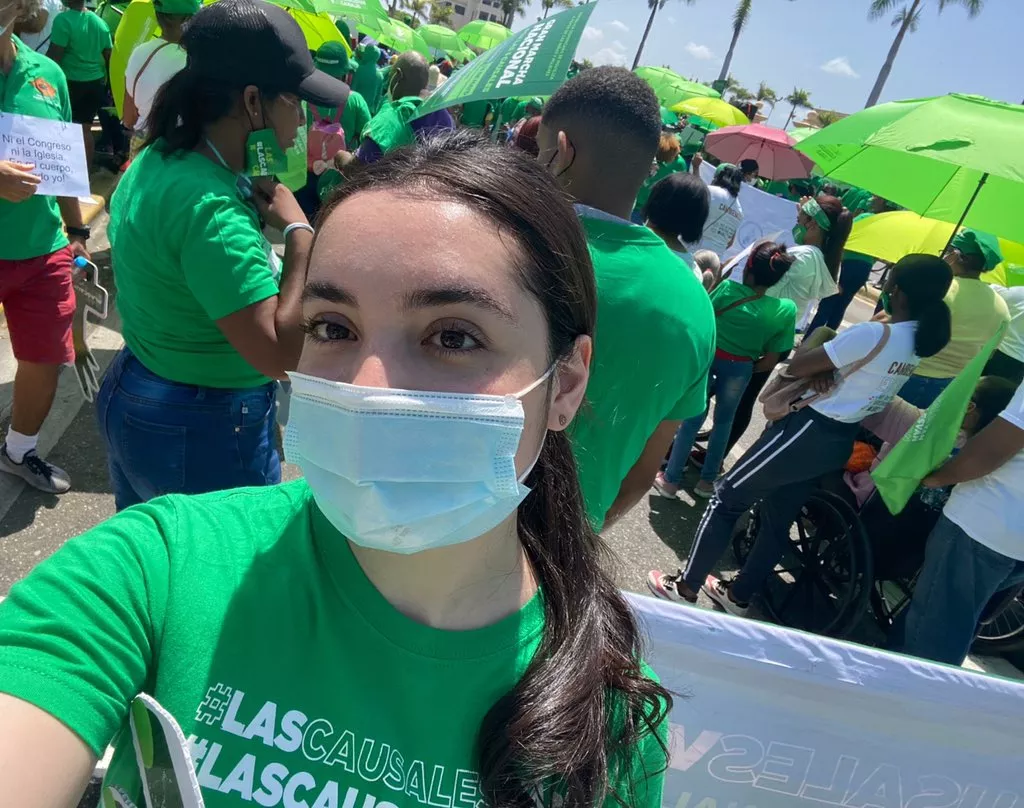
x=326 y=139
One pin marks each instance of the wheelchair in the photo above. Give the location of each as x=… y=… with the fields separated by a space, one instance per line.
x=843 y=563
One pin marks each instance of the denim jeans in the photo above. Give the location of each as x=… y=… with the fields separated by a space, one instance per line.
x=163 y=437
x=921 y=391
x=960 y=576
x=726 y=382
x=853 y=274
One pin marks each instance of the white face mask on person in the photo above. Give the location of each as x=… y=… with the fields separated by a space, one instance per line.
x=405 y=470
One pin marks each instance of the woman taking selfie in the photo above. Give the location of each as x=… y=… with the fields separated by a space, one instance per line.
x=419 y=628
x=210 y=315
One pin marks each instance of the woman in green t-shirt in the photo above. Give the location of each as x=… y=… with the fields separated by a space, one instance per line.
x=423 y=617
x=210 y=315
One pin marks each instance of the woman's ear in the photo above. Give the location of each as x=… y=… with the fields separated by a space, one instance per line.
x=251 y=106
x=970 y=422
x=571 y=377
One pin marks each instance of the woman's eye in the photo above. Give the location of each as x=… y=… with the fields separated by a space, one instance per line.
x=453 y=339
x=326 y=331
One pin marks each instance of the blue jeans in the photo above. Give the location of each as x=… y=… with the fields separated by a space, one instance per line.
x=921 y=391
x=163 y=437
x=726 y=382
x=852 y=276
x=960 y=576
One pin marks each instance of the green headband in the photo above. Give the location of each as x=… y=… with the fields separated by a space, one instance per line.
x=813 y=209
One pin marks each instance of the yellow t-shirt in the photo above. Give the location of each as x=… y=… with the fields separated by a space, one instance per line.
x=978 y=312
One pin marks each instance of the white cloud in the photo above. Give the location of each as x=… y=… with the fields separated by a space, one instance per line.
x=617 y=45
x=592 y=34
x=671 y=19
x=609 y=56
x=699 y=51
x=840 y=66
x=619 y=25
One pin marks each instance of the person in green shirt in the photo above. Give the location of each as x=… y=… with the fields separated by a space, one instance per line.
x=210 y=315
x=753 y=330
x=35 y=258
x=80 y=43
x=409 y=624
x=366 y=79
x=667 y=161
x=656 y=330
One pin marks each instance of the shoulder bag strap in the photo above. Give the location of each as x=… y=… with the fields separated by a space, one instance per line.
x=145 y=64
x=853 y=367
x=736 y=303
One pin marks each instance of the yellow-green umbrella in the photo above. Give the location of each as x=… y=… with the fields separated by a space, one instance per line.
x=401 y=38
x=713 y=109
x=891 y=236
x=440 y=37
x=671 y=88
x=484 y=34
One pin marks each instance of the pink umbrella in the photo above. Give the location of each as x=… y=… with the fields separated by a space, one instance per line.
x=772 y=148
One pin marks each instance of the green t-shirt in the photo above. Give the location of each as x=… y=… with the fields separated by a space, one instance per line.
x=186 y=251
x=764 y=325
x=245 y=614
x=653 y=347
x=474 y=113
x=84 y=36
x=354 y=118
x=658 y=172
x=37 y=87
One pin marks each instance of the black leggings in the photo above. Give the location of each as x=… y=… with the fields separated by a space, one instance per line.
x=746 y=407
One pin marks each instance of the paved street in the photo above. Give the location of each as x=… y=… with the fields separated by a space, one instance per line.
x=657 y=533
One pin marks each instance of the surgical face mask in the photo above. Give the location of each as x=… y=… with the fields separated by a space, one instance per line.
x=404 y=470
x=799 y=233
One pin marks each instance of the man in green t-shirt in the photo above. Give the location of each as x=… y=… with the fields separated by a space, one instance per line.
x=35 y=261
x=655 y=334
x=80 y=43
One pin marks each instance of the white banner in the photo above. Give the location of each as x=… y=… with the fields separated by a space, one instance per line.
x=766 y=717
x=54 y=148
x=763 y=215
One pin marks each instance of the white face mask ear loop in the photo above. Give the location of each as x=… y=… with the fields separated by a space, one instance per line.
x=547 y=374
x=544 y=437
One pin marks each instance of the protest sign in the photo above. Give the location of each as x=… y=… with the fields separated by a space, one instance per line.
x=55 y=148
x=90 y=298
x=927 y=444
x=767 y=717
x=533 y=62
x=764 y=215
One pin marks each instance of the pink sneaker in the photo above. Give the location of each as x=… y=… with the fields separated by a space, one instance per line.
x=664 y=487
x=664 y=586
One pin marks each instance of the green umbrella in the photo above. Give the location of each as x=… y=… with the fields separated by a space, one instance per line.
x=483 y=34
x=440 y=37
x=671 y=88
x=955 y=158
x=801 y=133
x=402 y=38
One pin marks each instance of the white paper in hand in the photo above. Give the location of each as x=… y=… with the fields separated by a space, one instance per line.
x=55 y=148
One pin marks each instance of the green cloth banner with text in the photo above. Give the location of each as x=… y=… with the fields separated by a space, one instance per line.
x=532 y=62
x=927 y=444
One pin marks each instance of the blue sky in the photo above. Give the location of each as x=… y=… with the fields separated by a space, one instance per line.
x=826 y=46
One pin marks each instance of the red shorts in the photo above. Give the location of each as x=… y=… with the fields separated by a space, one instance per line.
x=39 y=302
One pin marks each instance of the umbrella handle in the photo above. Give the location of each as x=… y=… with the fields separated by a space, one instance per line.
x=981 y=183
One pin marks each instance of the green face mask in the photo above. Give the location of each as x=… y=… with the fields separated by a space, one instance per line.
x=886 y=300
x=264 y=156
x=799 y=232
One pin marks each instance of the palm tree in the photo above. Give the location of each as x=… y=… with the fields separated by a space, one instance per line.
x=766 y=94
x=906 y=20
x=441 y=13
x=511 y=8
x=653 y=5
x=418 y=10
x=827 y=117
x=741 y=94
x=740 y=18
x=798 y=98
x=547 y=5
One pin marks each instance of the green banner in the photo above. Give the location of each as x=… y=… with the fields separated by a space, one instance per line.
x=532 y=62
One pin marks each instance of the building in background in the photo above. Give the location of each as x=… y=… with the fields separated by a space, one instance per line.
x=467 y=10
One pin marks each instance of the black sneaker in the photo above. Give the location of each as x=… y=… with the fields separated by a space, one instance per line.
x=36 y=472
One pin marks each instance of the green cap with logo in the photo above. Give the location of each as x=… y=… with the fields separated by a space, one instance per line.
x=185 y=8
x=332 y=59
x=974 y=242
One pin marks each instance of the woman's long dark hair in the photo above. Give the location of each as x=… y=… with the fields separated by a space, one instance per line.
x=572 y=724
x=679 y=205
x=835 y=236
x=924 y=281
x=730 y=178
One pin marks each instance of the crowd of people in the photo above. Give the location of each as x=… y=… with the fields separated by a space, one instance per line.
x=491 y=348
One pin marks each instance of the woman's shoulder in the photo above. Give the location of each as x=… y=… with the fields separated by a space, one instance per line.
x=806 y=253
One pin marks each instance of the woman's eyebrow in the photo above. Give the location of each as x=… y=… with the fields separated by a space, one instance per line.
x=331 y=292
x=449 y=295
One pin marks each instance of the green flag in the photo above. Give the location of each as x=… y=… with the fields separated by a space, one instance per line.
x=532 y=62
x=929 y=441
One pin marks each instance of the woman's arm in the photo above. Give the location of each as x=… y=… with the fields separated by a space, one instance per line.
x=43 y=764
x=990 y=449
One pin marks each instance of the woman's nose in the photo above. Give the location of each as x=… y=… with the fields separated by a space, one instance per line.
x=371 y=372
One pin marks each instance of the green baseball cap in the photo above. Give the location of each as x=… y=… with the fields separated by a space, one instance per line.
x=185 y=8
x=973 y=242
x=332 y=59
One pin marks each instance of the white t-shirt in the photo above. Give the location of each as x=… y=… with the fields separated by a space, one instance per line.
x=723 y=221
x=872 y=387
x=1013 y=339
x=166 y=63
x=989 y=509
x=41 y=42
x=806 y=282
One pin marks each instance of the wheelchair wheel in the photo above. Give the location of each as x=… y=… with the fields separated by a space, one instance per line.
x=1003 y=629
x=823 y=581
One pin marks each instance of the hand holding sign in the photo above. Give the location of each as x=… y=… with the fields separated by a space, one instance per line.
x=54 y=150
x=17 y=182
x=91 y=298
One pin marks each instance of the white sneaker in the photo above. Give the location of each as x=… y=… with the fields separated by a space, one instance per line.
x=36 y=472
x=664 y=586
x=718 y=591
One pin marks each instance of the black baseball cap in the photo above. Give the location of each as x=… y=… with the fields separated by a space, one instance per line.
x=245 y=42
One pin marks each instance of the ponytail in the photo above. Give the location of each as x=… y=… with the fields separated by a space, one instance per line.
x=836 y=236
x=767 y=263
x=924 y=281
